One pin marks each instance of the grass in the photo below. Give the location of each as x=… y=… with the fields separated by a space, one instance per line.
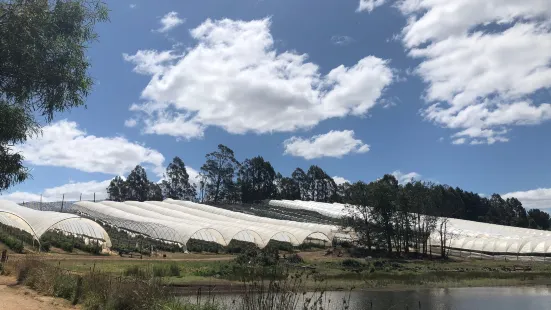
x=141 y=289
x=338 y=273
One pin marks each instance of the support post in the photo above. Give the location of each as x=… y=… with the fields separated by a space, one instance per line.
x=62 y=202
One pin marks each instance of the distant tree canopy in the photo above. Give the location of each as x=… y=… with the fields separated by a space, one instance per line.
x=177 y=185
x=137 y=186
x=43 y=69
x=387 y=215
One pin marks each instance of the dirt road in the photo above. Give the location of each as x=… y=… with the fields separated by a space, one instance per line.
x=13 y=297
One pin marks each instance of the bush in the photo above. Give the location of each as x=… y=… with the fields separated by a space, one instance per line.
x=352 y=264
x=294 y=259
x=11 y=242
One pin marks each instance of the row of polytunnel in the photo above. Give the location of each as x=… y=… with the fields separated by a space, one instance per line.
x=36 y=223
x=459 y=234
x=179 y=221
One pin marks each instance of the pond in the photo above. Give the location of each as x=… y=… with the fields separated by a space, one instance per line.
x=471 y=298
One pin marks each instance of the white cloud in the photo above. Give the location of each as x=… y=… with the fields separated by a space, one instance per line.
x=340 y=180
x=404 y=178
x=63 y=144
x=170 y=21
x=72 y=192
x=341 y=40
x=234 y=75
x=132 y=122
x=369 y=5
x=132 y=5
x=481 y=82
x=536 y=198
x=331 y=144
x=459 y=141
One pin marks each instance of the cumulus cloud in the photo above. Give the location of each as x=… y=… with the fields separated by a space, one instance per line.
x=369 y=5
x=340 y=180
x=341 y=40
x=234 y=75
x=332 y=144
x=170 y=21
x=482 y=61
x=63 y=144
x=404 y=178
x=537 y=198
x=130 y=122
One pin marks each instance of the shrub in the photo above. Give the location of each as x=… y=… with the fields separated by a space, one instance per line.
x=11 y=242
x=352 y=264
x=294 y=259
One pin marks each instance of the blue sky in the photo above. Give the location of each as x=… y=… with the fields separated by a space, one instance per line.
x=453 y=92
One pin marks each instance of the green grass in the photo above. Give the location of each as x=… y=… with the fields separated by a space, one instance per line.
x=340 y=273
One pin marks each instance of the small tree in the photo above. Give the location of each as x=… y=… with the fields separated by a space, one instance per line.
x=138 y=184
x=117 y=190
x=219 y=172
x=43 y=69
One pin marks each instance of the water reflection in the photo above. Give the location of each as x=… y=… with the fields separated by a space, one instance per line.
x=487 y=298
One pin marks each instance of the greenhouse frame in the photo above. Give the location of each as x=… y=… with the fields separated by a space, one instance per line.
x=37 y=223
x=459 y=234
x=179 y=221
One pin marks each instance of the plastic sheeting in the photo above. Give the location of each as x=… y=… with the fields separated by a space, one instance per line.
x=180 y=221
x=491 y=238
x=37 y=222
x=460 y=234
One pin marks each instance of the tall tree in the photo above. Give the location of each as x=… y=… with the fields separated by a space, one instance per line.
x=155 y=192
x=287 y=188
x=219 y=172
x=540 y=219
x=117 y=190
x=256 y=180
x=138 y=184
x=177 y=184
x=301 y=179
x=383 y=197
x=43 y=69
x=360 y=213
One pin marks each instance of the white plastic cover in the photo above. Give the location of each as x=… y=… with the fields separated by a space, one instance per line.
x=37 y=222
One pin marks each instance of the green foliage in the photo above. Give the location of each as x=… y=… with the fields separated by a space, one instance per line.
x=67 y=243
x=31 y=82
x=117 y=190
x=154 y=270
x=14 y=238
x=219 y=173
x=11 y=242
x=352 y=263
x=256 y=178
x=177 y=185
x=136 y=187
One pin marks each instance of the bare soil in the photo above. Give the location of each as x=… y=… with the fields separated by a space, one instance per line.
x=15 y=297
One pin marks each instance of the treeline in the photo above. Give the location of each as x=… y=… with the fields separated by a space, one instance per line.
x=224 y=180
x=397 y=217
x=137 y=186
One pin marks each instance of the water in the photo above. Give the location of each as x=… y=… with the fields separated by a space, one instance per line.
x=486 y=298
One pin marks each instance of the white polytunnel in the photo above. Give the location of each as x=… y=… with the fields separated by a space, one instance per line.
x=301 y=231
x=460 y=234
x=167 y=230
x=179 y=221
x=36 y=222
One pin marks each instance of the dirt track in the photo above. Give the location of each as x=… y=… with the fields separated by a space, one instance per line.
x=15 y=297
